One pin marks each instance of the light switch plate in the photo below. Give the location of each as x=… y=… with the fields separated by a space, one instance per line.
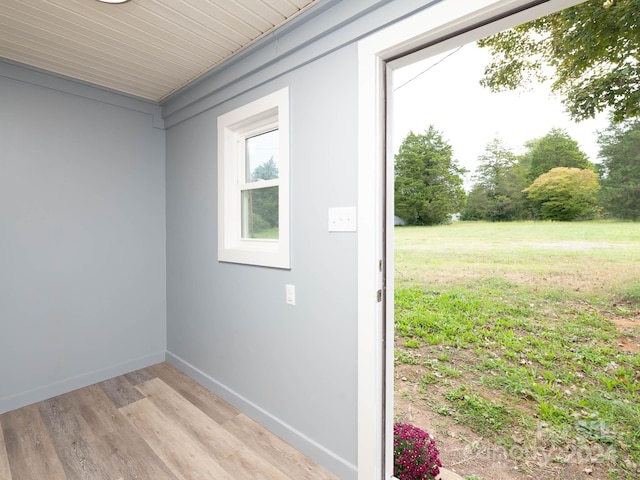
x=342 y=219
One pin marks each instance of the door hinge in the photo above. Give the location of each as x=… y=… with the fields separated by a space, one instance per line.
x=379 y=295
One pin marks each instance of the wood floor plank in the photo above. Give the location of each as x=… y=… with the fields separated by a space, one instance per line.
x=185 y=457
x=76 y=444
x=275 y=450
x=231 y=453
x=135 y=458
x=29 y=449
x=89 y=454
x=98 y=410
x=213 y=406
x=120 y=391
x=132 y=455
x=139 y=376
x=5 y=470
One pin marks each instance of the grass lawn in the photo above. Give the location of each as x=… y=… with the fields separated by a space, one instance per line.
x=527 y=333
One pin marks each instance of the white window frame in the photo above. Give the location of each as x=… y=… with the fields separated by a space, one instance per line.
x=263 y=115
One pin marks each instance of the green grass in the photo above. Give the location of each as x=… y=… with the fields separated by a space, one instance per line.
x=514 y=327
x=268 y=234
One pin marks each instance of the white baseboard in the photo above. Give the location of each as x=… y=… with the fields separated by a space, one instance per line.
x=23 y=399
x=336 y=464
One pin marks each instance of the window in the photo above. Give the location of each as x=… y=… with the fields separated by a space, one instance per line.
x=253 y=183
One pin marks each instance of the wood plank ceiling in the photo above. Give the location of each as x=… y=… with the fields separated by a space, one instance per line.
x=145 y=48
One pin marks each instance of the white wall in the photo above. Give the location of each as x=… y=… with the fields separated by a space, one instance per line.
x=82 y=236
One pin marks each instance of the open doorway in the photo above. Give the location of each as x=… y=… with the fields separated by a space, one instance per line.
x=444 y=24
x=504 y=331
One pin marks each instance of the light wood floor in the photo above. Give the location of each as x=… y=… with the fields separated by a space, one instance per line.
x=154 y=424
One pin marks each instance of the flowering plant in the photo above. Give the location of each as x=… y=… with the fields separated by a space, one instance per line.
x=415 y=456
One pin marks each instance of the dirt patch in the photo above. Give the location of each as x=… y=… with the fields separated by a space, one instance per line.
x=574 y=283
x=468 y=454
x=630 y=327
x=627 y=345
x=577 y=245
x=626 y=323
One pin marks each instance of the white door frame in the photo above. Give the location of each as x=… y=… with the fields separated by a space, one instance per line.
x=442 y=25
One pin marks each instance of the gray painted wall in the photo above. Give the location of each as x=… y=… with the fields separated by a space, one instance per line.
x=82 y=236
x=293 y=367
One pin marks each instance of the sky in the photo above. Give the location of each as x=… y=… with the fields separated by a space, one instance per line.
x=469 y=116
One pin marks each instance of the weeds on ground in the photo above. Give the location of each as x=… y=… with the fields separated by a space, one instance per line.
x=521 y=369
x=502 y=355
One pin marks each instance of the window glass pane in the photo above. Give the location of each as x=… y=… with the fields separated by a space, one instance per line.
x=261 y=157
x=260 y=213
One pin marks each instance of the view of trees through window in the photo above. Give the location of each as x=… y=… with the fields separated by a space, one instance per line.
x=260 y=203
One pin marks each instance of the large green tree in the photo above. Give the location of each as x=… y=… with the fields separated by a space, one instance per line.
x=555 y=149
x=564 y=194
x=620 y=169
x=497 y=192
x=590 y=52
x=428 y=181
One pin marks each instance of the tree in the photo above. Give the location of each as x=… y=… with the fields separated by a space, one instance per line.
x=620 y=169
x=263 y=202
x=590 y=51
x=428 y=181
x=499 y=181
x=564 y=193
x=265 y=171
x=555 y=149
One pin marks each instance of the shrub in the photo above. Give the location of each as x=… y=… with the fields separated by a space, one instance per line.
x=415 y=456
x=564 y=194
